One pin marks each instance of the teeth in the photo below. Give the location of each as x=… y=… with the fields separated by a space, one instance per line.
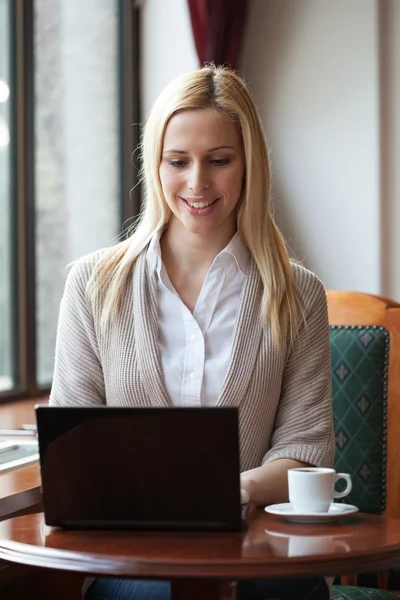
x=200 y=204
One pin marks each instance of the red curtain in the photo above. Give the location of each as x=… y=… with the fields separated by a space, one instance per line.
x=218 y=27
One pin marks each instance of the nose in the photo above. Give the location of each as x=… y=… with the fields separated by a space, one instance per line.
x=198 y=178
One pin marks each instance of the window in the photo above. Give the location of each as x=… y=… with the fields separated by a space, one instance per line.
x=6 y=299
x=73 y=138
x=77 y=154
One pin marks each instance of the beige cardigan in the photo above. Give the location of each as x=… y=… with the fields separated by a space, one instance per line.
x=284 y=397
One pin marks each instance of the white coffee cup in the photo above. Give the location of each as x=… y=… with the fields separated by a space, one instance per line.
x=312 y=489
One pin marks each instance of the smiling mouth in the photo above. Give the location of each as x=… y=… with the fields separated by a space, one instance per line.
x=199 y=205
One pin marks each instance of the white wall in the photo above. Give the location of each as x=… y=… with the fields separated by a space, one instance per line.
x=313 y=66
x=390 y=146
x=167 y=46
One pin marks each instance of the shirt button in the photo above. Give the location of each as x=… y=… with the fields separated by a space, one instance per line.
x=194 y=338
x=193 y=375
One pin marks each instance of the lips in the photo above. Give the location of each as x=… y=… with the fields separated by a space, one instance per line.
x=199 y=208
x=199 y=203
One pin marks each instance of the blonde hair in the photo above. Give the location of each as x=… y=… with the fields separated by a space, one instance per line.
x=222 y=89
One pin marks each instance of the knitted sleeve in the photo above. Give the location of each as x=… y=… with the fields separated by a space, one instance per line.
x=78 y=377
x=303 y=427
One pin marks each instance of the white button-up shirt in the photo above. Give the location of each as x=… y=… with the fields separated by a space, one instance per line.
x=195 y=348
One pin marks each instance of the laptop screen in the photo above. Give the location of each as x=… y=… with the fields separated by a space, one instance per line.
x=140 y=468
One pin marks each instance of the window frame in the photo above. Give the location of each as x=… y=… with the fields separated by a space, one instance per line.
x=24 y=352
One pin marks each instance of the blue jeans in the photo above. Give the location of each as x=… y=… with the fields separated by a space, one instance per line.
x=136 y=589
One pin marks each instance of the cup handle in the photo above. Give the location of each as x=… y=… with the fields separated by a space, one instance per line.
x=349 y=485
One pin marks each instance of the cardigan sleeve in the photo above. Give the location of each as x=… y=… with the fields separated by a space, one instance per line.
x=303 y=428
x=78 y=377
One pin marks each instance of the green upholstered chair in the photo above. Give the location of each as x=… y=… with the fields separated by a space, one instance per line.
x=349 y=592
x=366 y=402
x=360 y=367
x=355 y=309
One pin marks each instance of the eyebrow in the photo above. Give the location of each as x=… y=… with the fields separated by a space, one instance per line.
x=210 y=150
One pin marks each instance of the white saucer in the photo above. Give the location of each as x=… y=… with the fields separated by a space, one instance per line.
x=336 y=510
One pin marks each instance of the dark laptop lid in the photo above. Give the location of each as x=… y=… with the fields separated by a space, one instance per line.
x=140 y=468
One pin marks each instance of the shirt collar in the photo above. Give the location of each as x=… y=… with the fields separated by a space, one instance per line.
x=236 y=248
x=239 y=251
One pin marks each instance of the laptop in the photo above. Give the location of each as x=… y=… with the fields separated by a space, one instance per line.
x=174 y=469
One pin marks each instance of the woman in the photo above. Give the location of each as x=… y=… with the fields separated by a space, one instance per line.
x=201 y=305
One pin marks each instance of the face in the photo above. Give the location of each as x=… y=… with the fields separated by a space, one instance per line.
x=202 y=172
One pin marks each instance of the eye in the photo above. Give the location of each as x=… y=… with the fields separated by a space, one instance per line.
x=220 y=162
x=177 y=162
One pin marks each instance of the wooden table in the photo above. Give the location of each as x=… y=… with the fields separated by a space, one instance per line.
x=19 y=488
x=197 y=563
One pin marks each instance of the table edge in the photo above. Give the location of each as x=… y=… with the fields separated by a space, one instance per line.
x=98 y=564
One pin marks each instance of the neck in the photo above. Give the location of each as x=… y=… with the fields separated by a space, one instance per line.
x=189 y=251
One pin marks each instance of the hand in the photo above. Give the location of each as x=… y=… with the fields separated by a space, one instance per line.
x=246 y=487
x=244 y=496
